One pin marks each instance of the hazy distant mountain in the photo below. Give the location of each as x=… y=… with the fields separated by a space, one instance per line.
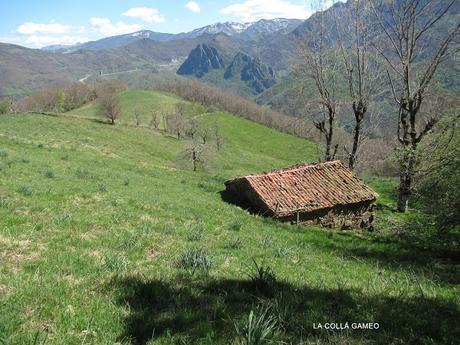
x=247 y=30
x=240 y=30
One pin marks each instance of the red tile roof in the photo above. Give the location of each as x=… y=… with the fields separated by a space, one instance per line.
x=307 y=188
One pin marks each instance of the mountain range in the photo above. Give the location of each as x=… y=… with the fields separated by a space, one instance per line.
x=250 y=59
x=245 y=31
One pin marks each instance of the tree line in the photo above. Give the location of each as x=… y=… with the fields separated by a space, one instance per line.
x=60 y=99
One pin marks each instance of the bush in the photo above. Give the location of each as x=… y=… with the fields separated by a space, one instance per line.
x=4 y=108
x=438 y=189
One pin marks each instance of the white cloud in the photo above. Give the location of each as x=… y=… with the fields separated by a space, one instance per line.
x=42 y=41
x=193 y=6
x=329 y=3
x=107 y=28
x=149 y=15
x=50 y=28
x=253 y=10
x=11 y=39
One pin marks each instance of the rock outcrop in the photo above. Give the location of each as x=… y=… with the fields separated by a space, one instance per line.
x=201 y=60
x=251 y=70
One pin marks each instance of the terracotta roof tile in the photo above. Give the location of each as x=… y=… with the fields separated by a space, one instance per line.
x=308 y=187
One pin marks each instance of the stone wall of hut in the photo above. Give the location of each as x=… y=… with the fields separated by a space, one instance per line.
x=351 y=216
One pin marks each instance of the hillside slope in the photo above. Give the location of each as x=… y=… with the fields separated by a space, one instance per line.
x=95 y=220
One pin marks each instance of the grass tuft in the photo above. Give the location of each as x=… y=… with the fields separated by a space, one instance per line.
x=101 y=188
x=193 y=260
x=234 y=243
x=116 y=263
x=263 y=279
x=49 y=174
x=258 y=329
x=3 y=154
x=25 y=190
x=235 y=225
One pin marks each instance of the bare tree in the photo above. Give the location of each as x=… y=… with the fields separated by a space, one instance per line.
x=109 y=106
x=137 y=117
x=320 y=65
x=203 y=132
x=191 y=128
x=181 y=108
x=361 y=68
x=197 y=153
x=409 y=33
x=154 y=120
x=176 y=124
x=218 y=136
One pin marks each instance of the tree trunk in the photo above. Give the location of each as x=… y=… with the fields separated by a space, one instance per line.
x=194 y=159
x=356 y=139
x=327 y=155
x=405 y=184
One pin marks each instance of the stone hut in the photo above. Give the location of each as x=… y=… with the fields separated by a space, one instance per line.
x=326 y=194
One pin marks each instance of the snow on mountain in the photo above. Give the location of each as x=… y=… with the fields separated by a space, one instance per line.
x=240 y=30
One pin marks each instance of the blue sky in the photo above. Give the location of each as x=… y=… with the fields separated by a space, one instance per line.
x=44 y=22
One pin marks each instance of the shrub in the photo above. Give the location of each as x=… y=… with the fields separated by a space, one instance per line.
x=25 y=190
x=437 y=184
x=4 y=108
x=194 y=260
x=126 y=182
x=3 y=154
x=259 y=327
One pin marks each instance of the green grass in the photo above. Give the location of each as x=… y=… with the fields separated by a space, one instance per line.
x=144 y=102
x=92 y=254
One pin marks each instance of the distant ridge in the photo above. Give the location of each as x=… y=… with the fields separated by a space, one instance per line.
x=243 y=31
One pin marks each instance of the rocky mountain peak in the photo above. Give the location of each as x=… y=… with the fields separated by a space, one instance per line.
x=201 y=60
x=251 y=70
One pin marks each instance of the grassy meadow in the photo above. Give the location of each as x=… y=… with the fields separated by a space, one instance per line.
x=108 y=237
